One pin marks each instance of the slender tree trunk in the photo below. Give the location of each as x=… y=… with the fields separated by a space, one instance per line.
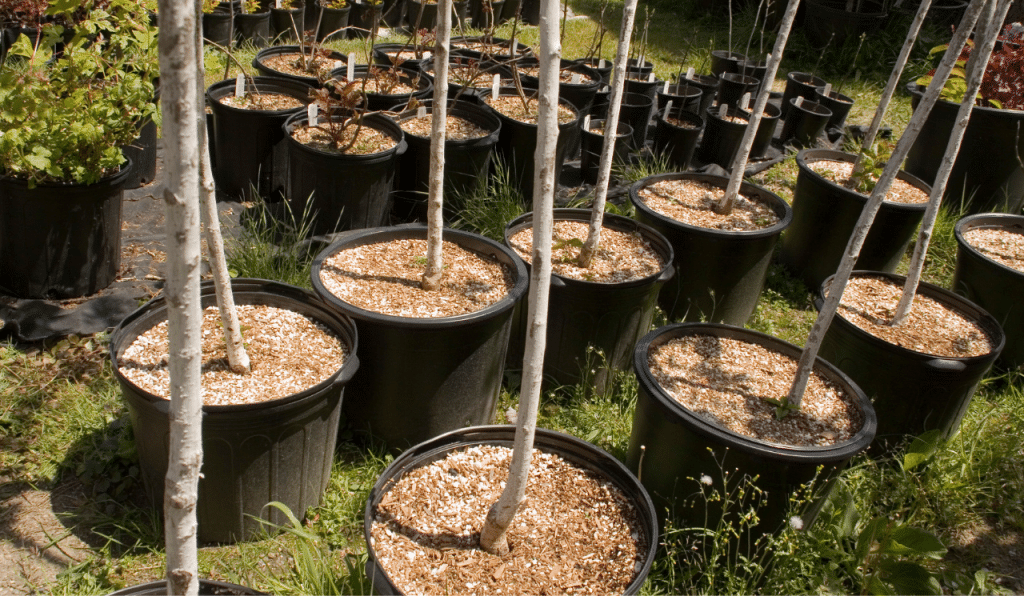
x=739 y=163
x=993 y=19
x=438 y=131
x=493 y=535
x=894 y=79
x=611 y=125
x=178 y=71
x=238 y=359
x=860 y=232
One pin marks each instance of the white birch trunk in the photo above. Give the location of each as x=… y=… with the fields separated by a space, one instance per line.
x=438 y=131
x=894 y=79
x=499 y=517
x=178 y=71
x=739 y=163
x=993 y=20
x=611 y=126
x=860 y=232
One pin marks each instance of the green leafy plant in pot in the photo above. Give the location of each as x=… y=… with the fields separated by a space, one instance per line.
x=62 y=125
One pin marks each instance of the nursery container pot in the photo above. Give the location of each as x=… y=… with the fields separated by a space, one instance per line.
x=800 y=84
x=805 y=123
x=254 y=28
x=363 y=17
x=218 y=27
x=259 y=63
x=722 y=138
x=333 y=23
x=635 y=110
x=708 y=86
x=207 y=587
x=838 y=104
x=677 y=143
x=376 y=101
x=592 y=144
x=684 y=97
x=827 y=22
x=732 y=86
x=724 y=62
x=284 y=21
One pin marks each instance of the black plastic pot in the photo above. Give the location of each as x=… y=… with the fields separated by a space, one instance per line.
x=579 y=94
x=607 y=318
x=638 y=71
x=805 y=123
x=643 y=86
x=838 y=104
x=346 y=191
x=828 y=23
x=671 y=447
x=708 y=86
x=460 y=47
x=518 y=142
x=913 y=392
x=719 y=273
x=424 y=377
x=592 y=143
x=60 y=240
x=484 y=19
x=757 y=69
x=946 y=13
x=376 y=102
x=253 y=28
x=394 y=13
x=724 y=61
x=991 y=285
x=732 y=86
x=386 y=55
x=987 y=174
x=264 y=70
x=284 y=21
x=580 y=453
x=250 y=146
x=800 y=84
x=207 y=587
x=428 y=20
x=635 y=110
x=363 y=18
x=465 y=162
x=218 y=28
x=460 y=86
x=684 y=98
x=677 y=143
x=722 y=138
x=142 y=152
x=333 y=24
x=279 y=450
x=824 y=217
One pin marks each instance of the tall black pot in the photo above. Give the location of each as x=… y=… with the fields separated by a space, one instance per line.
x=344 y=191
x=428 y=19
x=401 y=54
x=423 y=377
x=838 y=104
x=363 y=17
x=592 y=144
x=719 y=273
x=987 y=174
x=466 y=162
x=912 y=391
x=60 y=240
x=259 y=63
x=278 y=450
x=585 y=315
x=333 y=24
x=708 y=86
x=722 y=138
x=733 y=86
x=991 y=285
x=671 y=447
x=824 y=217
x=285 y=21
x=805 y=123
x=684 y=98
x=800 y=84
x=580 y=453
x=677 y=143
x=218 y=27
x=249 y=145
x=635 y=109
x=828 y=23
x=724 y=62
x=142 y=152
x=253 y=28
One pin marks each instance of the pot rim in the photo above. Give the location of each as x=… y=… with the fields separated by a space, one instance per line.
x=805 y=78
x=835 y=96
x=366 y=236
x=374 y=120
x=814 y=107
x=915 y=90
x=570 y=448
x=775 y=201
x=619 y=223
x=947 y=298
x=691 y=117
x=481 y=114
x=158 y=305
x=859 y=441
x=112 y=180
x=807 y=156
x=1000 y=221
x=509 y=91
x=222 y=89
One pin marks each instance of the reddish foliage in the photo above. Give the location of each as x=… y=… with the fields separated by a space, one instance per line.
x=1004 y=75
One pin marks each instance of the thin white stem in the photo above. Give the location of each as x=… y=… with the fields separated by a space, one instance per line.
x=611 y=126
x=438 y=131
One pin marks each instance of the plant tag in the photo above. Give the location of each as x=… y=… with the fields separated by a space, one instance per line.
x=512 y=46
x=277 y=4
x=586 y=122
x=650 y=77
x=668 y=109
x=240 y=85
x=665 y=88
x=799 y=101
x=827 y=89
x=351 y=66
x=602 y=63
x=745 y=101
x=690 y=72
x=495 y=83
x=338 y=64
x=723 y=110
x=575 y=78
x=421 y=112
x=311 y=113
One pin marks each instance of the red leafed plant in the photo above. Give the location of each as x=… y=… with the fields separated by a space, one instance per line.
x=1003 y=83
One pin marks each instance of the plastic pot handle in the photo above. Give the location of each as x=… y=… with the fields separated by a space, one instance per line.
x=818 y=303
x=946 y=365
x=557 y=282
x=667 y=274
x=348 y=370
x=402 y=147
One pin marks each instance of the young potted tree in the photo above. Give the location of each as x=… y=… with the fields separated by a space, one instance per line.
x=60 y=153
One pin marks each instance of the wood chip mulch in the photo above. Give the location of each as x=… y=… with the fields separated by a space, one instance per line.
x=564 y=75
x=457 y=129
x=620 y=257
x=289 y=353
x=692 y=202
x=264 y=102
x=680 y=123
x=930 y=328
x=385 y=277
x=839 y=172
x=512 y=106
x=575 y=534
x=292 y=64
x=369 y=141
x=728 y=382
x=1005 y=247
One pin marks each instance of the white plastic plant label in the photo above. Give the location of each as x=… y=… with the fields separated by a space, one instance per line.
x=690 y=72
x=827 y=90
x=723 y=110
x=668 y=109
x=338 y=64
x=277 y=4
x=664 y=89
x=602 y=63
x=240 y=85
x=575 y=78
x=586 y=122
x=495 y=83
x=351 y=66
x=650 y=77
x=745 y=101
x=421 y=112
x=799 y=101
x=312 y=111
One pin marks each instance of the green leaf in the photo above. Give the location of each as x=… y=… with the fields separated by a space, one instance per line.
x=909 y=578
x=874 y=531
x=905 y=540
x=921 y=450
x=877 y=587
x=938 y=50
